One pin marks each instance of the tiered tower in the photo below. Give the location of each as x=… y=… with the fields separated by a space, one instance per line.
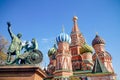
x=86 y=54
x=63 y=57
x=76 y=36
x=52 y=58
x=99 y=45
x=77 y=41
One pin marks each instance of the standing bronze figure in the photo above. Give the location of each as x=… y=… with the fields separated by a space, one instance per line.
x=16 y=44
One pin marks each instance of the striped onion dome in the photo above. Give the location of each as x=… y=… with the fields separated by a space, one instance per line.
x=52 y=51
x=86 y=48
x=63 y=37
x=97 y=40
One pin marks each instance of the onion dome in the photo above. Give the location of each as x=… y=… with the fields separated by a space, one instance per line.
x=86 y=48
x=52 y=51
x=97 y=40
x=63 y=37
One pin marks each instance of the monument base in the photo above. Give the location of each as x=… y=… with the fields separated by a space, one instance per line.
x=21 y=72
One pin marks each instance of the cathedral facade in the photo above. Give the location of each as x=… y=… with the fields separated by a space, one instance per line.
x=74 y=59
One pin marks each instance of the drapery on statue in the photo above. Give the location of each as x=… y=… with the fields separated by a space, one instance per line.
x=31 y=53
x=16 y=44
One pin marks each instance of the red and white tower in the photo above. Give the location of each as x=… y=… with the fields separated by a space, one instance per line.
x=99 y=45
x=77 y=40
x=51 y=66
x=63 y=58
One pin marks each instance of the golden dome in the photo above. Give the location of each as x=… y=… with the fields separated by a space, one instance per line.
x=75 y=18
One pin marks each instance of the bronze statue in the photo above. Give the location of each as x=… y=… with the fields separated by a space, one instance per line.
x=16 y=44
x=31 y=53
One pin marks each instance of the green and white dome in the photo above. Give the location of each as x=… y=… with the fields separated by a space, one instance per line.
x=52 y=51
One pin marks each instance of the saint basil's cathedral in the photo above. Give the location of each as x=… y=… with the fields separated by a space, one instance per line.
x=74 y=59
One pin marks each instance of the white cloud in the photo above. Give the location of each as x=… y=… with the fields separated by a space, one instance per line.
x=48 y=40
x=45 y=40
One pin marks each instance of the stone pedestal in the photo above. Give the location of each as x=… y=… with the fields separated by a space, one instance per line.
x=21 y=72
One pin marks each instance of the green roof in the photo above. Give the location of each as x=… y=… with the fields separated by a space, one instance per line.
x=86 y=48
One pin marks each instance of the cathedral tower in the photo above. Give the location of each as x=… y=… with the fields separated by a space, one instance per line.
x=99 y=45
x=51 y=66
x=86 y=54
x=77 y=40
x=76 y=36
x=63 y=58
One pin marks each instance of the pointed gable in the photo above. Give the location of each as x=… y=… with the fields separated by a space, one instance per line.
x=99 y=67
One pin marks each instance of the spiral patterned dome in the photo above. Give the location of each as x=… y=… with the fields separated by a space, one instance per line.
x=63 y=37
x=97 y=40
x=52 y=51
x=86 y=48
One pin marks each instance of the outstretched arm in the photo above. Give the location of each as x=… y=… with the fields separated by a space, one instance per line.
x=9 y=30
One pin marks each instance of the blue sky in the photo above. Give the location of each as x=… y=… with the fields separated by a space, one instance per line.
x=43 y=20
